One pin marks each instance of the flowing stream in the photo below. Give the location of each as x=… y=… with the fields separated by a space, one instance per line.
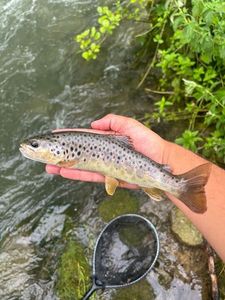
x=45 y=84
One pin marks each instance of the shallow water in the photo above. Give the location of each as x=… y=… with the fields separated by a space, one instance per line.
x=44 y=84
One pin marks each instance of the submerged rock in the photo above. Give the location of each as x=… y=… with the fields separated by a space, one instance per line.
x=121 y=203
x=17 y=259
x=184 y=229
x=141 y=290
x=73 y=273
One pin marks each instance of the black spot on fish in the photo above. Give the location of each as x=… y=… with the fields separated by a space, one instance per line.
x=85 y=159
x=98 y=156
x=67 y=151
x=75 y=150
x=71 y=149
x=73 y=154
x=58 y=152
x=91 y=148
x=80 y=146
x=78 y=153
x=93 y=154
x=95 y=147
x=63 y=144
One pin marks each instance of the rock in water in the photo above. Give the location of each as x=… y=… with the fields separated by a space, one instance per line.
x=184 y=229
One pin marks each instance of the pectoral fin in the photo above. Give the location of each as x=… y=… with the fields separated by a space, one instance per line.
x=110 y=185
x=167 y=168
x=68 y=164
x=155 y=194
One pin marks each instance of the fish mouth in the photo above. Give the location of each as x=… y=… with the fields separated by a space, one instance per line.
x=24 y=147
x=30 y=153
x=26 y=151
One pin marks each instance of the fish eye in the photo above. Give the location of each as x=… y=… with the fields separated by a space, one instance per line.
x=34 y=144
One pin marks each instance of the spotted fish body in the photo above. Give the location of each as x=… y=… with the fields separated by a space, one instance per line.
x=115 y=158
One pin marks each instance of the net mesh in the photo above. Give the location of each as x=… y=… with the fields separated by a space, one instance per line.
x=125 y=251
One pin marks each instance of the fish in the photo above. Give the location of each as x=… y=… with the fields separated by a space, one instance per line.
x=115 y=157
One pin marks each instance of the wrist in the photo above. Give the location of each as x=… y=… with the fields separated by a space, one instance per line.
x=180 y=159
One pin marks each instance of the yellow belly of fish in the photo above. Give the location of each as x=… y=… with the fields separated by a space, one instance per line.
x=115 y=173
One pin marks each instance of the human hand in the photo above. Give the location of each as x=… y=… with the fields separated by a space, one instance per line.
x=144 y=140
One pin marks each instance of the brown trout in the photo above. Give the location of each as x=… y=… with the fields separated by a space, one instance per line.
x=115 y=158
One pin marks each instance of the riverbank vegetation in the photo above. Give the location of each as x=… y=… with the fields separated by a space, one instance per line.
x=184 y=45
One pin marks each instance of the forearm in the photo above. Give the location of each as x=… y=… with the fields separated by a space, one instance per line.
x=212 y=223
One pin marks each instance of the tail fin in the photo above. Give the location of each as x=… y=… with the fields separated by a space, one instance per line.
x=194 y=195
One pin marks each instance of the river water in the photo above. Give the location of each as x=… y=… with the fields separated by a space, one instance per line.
x=45 y=84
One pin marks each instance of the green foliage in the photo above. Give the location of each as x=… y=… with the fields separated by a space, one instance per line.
x=162 y=105
x=190 y=53
x=91 y=39
x=189 y=139
x=189 y=43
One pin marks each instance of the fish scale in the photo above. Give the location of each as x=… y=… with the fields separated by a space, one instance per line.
x=114 y=157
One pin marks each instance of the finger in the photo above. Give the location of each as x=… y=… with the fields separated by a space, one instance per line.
x=110 y=122
x=50 y=169
x=81 y=130
x=81 y=175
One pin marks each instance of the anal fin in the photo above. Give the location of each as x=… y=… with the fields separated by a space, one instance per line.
x=110 y=185
x=154 y=193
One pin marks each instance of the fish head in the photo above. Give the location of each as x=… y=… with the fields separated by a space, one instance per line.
x=43 y=149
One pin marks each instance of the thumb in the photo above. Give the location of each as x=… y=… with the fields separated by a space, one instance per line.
x=111 y=122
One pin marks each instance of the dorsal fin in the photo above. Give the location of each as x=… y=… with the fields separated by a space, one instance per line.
x=123 y=140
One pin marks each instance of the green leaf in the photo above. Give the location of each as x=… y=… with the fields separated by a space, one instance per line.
x=189 y=139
